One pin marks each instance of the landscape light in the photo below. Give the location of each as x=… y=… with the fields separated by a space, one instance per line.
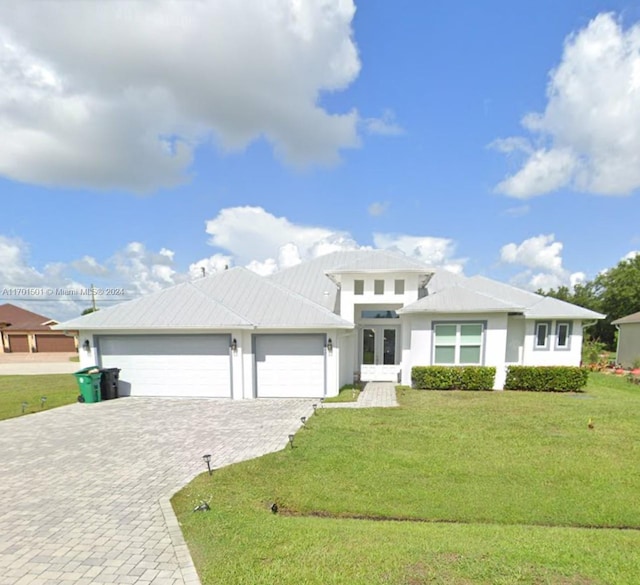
x=207 y=460
x=291 y=440
x=24 y=406
x=303 y=420
x=315 y=407
x=43 y=399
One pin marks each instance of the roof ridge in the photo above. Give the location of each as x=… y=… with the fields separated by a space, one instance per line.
x=306 y=300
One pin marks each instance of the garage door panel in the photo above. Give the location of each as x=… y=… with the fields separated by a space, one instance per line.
x=55 y=343
x=172 y=365
x=290 y=366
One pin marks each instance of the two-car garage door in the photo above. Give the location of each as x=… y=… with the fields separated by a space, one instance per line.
x=290 y=366
x=169 y=365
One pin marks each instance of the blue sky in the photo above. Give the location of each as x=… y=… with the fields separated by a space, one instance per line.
x=141 y=144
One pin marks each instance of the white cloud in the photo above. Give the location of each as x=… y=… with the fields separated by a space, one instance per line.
x=386 y=125
x=631 y=255
x=430 y=250
x=542 y=254
x=378 y=208
x=211 y=265
x=538 y=252
x=90 y=266
x=587 y=137
x=119 y=94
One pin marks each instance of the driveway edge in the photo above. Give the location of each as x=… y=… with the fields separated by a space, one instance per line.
x=185 y=562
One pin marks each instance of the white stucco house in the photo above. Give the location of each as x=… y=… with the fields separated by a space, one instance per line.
x=308 y=330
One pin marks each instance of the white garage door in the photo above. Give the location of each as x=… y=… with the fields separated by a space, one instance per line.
x=290 y=366
x=169 y=365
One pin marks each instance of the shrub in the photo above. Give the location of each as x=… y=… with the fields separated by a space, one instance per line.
x=453 y=377
x=546 y=378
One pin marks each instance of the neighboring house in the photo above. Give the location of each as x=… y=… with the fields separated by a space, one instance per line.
x=22 y=331
x=307 y=330
x=628 y=350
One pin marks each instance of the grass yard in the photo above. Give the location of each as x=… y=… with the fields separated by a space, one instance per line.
x=60 y=389
x=348 y=393
x=450 y=488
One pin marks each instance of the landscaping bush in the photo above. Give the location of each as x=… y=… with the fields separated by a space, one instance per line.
x=453 y=377
x=546 y=378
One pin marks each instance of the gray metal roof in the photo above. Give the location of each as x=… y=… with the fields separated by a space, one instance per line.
x=236 y=298
x=550 y=308
x=633 y=318
x=535 y=306
x=311 y=281
x=458 y=299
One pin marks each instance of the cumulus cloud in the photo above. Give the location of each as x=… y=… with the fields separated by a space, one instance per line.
x=437 y=252
x=586 y=138
x=119 y=94
x=542 y=257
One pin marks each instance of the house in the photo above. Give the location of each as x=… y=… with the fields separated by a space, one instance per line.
x=628 y=351
x=308 y=330
x=22 y=331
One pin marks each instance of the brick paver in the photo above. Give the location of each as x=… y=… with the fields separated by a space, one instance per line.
x=84 y=489
x=374 y=395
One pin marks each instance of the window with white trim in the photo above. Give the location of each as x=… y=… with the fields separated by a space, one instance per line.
x=398 y=286
x=563 y=335
x=542 y=335
x=378 y=287
x=458 y=343
x=358 y=287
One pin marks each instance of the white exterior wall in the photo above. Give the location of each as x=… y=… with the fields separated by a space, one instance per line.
x=242 y=360
x=552 y=356
x=348 y=299
x=421 y=340
x=628 y=344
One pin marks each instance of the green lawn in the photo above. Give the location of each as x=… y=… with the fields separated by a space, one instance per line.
x=59 y=389
x=348 y=393
x=495 y=488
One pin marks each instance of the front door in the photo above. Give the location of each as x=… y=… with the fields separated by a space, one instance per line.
x=379 y=354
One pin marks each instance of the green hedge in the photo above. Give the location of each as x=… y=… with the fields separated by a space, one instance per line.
x=453 y=377
x=546 y=378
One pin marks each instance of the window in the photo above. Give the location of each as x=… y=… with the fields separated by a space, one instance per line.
x=398 y=287
x=378 y=287
x=358 y=287
x=458 y=343
x=563 y=335
x=378 y=314
x=542 y=335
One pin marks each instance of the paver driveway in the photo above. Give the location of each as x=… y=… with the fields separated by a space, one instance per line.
x=84 y=488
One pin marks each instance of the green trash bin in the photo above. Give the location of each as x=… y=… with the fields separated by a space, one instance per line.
x=89 y=384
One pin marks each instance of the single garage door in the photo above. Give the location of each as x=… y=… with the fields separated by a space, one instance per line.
x=18 y=343
x=55 y=343
x=169 y=365
x=290 y=366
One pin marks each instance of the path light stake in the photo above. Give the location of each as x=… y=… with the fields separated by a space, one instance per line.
x=24 y=406
x=207 y=460
x=291 y=440
x=43 y=399
x=315 y=407
x=322 y=403
x=303 y=420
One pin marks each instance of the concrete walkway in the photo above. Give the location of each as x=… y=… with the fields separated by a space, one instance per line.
x=374 y=395
x=84 y=488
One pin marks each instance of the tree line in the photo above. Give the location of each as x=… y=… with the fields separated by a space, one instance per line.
x=614 y=292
